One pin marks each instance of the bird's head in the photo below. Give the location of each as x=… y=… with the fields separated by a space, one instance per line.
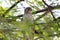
x=28 y=10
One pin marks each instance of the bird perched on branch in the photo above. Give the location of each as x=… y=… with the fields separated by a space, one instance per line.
x=27 y=17
x=28 y=22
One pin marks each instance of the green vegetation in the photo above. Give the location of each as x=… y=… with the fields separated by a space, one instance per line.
x=11 y=27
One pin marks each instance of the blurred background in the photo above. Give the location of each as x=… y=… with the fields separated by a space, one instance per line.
x=46 y=15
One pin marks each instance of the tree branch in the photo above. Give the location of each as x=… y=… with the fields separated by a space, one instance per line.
x=42 y=15
x=46 y=9
x=49 y=8
x=11 y=7
x=19 y=16
x=52 y=7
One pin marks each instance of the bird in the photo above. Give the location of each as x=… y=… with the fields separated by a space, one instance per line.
x=28 y=22
x=27 y=17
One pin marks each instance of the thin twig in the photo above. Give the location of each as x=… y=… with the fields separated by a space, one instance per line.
x=49 y=8
x=42 y=15
x=11 y=7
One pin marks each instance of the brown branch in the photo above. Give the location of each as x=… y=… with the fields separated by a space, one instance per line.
x=11 y=7
x=49 y=8
x=46 y=9
x=19 y=16
x=42 y=15
x=36 y=12
x=45 y=3
x=41 y=10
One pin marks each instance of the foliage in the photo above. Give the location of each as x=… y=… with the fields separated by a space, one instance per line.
x=11 y=27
